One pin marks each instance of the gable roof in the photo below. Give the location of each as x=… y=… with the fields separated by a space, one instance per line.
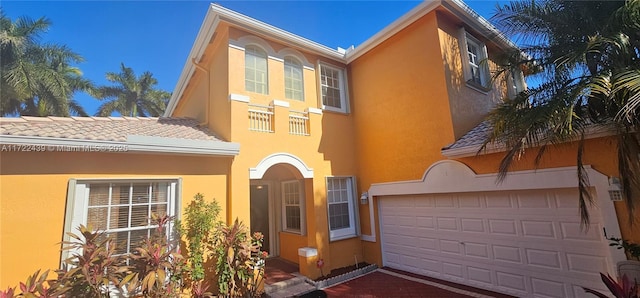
x=217 y=13
x=115 y=134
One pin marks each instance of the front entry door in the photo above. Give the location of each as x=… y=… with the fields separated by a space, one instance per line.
x=260 y=214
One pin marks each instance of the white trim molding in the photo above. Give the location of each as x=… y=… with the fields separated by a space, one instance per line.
x=280 y=158
x=280 y=103
x=450 y=176
x=239 y=97
x=314 y=111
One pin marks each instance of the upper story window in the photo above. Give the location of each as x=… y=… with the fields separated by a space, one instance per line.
x=255 y=70
x=474 y=57
x=333 y=88
x=293 y=80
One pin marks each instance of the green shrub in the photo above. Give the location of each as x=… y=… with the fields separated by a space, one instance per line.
x=200 y=220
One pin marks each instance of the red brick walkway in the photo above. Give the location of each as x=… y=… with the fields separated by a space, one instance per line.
x=378 y=284
x=278 y=270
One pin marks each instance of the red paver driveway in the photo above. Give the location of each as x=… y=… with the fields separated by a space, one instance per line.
x=396 y=283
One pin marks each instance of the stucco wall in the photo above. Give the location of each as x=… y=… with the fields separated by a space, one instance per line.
x=468 y=105
x=33 y=193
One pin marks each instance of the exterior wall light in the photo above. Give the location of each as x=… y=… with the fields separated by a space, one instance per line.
x=615 y=190
x=364 y=198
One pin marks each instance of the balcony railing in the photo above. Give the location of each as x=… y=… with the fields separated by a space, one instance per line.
x=260 y=118
x=298 y=123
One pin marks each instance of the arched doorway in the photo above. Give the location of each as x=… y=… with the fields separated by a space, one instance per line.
x=277 y=201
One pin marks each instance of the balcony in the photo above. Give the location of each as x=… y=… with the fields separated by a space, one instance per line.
x=260 y=118
x=277 y=116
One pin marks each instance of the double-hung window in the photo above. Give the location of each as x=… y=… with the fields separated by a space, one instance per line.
x=293 y=207
x=121 y=208
x=341 y=207
x=255 y=70
x=333 y=88
x=474 y=57
x=293 y=81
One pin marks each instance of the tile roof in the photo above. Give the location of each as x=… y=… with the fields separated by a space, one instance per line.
x=474 y=138
x=104 y=128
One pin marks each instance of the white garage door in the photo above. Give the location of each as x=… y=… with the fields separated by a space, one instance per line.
x=524 y=243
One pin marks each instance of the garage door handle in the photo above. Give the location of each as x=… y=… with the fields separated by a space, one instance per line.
x=461 y=242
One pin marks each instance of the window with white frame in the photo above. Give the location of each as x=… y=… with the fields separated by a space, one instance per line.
x=293 y=80
x=515 y=83
x=121 y=208
x=333 y=88
x=474 y=57
x=255 y=70
x=292 y=207
x=341 y=207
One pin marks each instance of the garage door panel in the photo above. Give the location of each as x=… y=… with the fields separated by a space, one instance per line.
x=511 y=281
x=499 y=200
x=511 y=254
x=571 y=231
x=473 y=225
x=481 y=275
x=586 y=263
x=524 y=243
x=532 y=200
x=447 y=223
x=538 y=229
x=502 y=226
x=476 y=250
x=452 y=270
x=548 y=288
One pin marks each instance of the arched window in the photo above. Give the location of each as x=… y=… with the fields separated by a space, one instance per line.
x=255 y=70
x=293 y=80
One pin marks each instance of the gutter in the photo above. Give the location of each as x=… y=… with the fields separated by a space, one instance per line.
x=133 y=144
x=208 y=104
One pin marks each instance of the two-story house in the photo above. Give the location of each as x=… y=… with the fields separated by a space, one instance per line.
x=332 y=154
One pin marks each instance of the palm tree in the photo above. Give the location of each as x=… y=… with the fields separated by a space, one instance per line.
x=36 y=79
x=586 y=57
x=132 y=96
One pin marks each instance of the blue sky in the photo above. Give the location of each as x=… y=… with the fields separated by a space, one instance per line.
x=157 y=36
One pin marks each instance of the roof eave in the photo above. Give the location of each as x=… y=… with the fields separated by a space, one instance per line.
x=133 y=144
x=477 y=150
x=457 y=7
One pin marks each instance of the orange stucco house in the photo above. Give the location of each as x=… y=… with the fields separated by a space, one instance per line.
x=332 y=154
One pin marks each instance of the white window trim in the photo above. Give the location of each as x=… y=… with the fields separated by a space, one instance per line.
x=344 y=100
x=301 y=64
x=266 y=59
x=485 y=77
x=354 y=218
x=76 y=212
x=303 y=223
